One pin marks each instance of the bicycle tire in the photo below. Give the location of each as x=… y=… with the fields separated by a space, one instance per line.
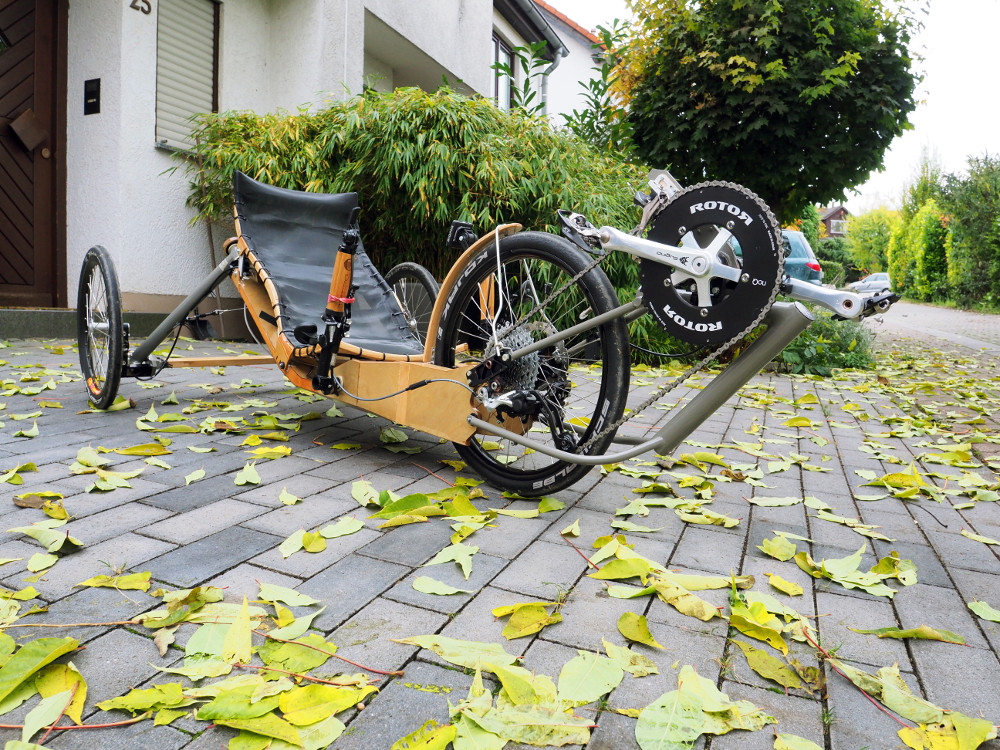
x=99 y=327
x=534 y=263
x=415 y=289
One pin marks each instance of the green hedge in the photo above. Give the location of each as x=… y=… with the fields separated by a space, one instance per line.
x=418 y=160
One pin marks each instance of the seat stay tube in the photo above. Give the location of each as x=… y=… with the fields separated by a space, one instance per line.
x=219 y=274
x=630 y=311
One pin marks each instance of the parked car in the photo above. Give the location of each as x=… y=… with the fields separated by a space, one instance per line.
x=800 y=260
x=873 y=283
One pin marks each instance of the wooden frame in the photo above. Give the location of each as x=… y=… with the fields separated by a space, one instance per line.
x=438 y=408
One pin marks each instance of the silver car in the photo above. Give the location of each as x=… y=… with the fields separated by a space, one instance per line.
x=873 y=283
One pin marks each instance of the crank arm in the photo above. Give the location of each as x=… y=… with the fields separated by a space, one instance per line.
x=844 y=304
x=693 y=262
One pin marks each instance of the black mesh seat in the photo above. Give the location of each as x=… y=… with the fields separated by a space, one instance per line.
x=295 y=235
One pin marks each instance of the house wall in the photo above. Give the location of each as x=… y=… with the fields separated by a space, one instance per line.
x=566 y=91
x=273 y=54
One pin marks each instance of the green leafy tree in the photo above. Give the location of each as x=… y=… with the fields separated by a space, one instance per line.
x=927 y=185
x=603 y=122
x=798 y=100
x=808 y=224
x=973 y=202
x=868 y=236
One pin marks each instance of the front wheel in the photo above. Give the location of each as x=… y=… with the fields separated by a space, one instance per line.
x=508 y=299
x=99 y=329
x=415 y=291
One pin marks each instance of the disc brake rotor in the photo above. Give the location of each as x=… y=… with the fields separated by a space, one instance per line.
x=740 y=231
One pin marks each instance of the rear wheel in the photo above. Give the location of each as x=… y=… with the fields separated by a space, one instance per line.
x=574 y=388
x=99 y=329
x=415 y=290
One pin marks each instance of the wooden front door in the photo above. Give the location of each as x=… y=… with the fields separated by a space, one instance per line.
x=32 y=138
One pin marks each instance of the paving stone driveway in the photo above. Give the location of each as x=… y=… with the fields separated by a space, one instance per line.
x=214 y=531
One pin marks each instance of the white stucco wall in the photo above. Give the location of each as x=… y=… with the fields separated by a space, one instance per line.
x=274 y=54
x=565 y=92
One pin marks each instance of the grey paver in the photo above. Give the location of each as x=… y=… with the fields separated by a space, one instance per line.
x=129 y=551
x=844 y=612
x=404 y=705
x=184 y=528
x=484 y=569
x=348 y=585
x=542 y=571
x=304 y=564
x=794 y=715
x=589 y=615
x=367 y=637
x=704 y=549
x=143 y=735
x=410 y=545
x=196 y=562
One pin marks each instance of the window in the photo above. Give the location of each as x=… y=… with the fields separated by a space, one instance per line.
x=187 y=55
x=838 y=226
x=502 y=83
x=4 y=42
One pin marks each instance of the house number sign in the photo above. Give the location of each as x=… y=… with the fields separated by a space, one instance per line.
x=143 y=6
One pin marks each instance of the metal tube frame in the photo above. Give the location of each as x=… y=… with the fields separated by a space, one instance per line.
x=219 y=274
x=784 y=321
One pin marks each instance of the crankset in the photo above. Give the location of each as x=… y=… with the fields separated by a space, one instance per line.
x=738 y=229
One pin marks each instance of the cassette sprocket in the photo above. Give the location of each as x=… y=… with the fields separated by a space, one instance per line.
x=740 y=230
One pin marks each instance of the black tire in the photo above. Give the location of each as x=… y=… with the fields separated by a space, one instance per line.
x=99 y=329
x=535 y=264
x=416 y=290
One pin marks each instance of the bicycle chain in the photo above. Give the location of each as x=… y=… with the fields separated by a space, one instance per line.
x=701 y=364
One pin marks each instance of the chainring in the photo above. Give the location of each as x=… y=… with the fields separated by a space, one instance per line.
x=744 y=233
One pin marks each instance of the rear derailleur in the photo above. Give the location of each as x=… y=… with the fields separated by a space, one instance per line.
x=524 y=404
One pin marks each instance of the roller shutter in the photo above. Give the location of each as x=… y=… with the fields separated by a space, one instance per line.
x=186 y=59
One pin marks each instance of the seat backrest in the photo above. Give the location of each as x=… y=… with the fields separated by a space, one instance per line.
x=295 y=236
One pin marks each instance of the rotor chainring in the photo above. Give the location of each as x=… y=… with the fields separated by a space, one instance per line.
x=694 y=218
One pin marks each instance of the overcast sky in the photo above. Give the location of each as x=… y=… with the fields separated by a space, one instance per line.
x=959 y=111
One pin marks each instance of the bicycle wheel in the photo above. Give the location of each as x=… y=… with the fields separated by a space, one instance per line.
x=566 y=393
x=415 y=290
x=99 y=330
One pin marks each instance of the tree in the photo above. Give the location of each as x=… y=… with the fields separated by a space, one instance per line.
x=868 y=237
x=798 y=100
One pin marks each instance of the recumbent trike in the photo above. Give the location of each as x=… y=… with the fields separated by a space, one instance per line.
x=522 y=359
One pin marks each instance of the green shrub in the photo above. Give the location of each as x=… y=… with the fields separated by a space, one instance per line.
x=900 y=261
x=834 y=273
x=419 y=160
x=835 y=255
x=829 y=344
x=973 y=201
x=929 y=238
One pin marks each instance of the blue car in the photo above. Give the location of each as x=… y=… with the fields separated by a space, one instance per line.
x=800 y=260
